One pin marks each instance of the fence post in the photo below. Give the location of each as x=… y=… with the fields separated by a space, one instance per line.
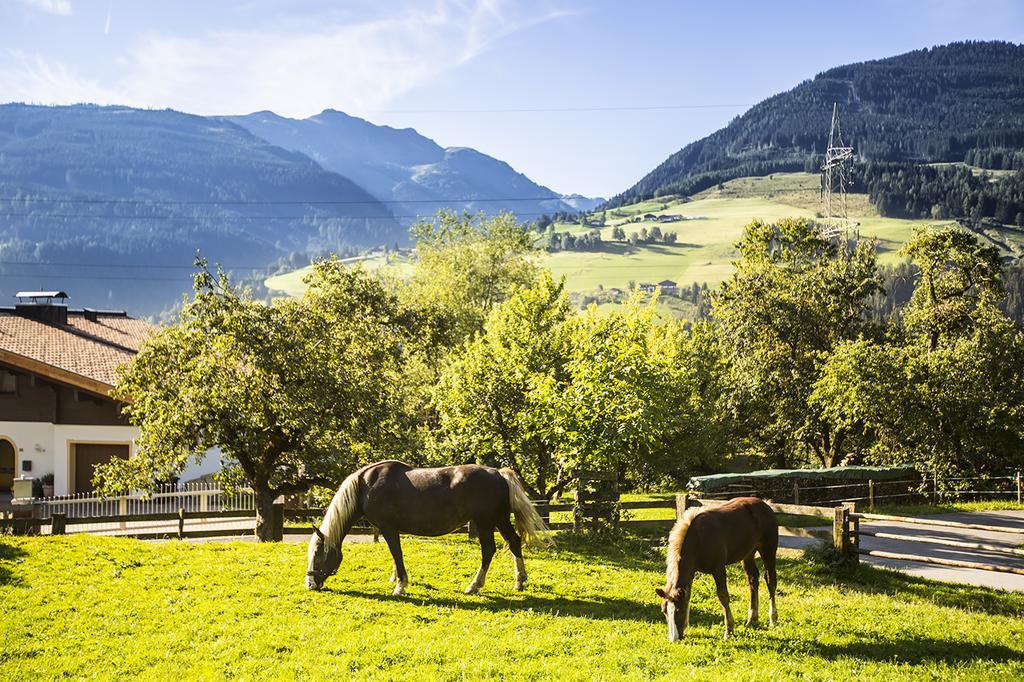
x=1019 y=500
x=181 y=523
x=277 y=522
x=871 y=495
x=935 y=487
x=796 y=492
x=840 y=536
x=852 y=532
x=682 y=502
x=57 y=524
x=122 y=510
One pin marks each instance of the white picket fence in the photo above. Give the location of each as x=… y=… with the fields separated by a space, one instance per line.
x=203 y=496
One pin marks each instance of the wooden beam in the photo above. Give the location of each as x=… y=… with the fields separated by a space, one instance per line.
x=56 y=373
x=947 y=543
x=941 y=562
x=921 y=521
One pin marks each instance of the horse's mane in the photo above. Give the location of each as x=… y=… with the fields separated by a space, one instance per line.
x=675 y=544
x=343 y=507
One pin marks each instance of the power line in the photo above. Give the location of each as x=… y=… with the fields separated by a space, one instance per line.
x=544 y=110
x=281 y=202
x=301 y=216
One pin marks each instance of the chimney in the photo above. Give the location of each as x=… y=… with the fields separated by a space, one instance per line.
x=41 y=306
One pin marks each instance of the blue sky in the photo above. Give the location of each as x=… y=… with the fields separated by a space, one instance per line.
x=453 y=69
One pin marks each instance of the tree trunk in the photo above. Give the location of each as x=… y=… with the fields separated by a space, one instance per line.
x=264 y=499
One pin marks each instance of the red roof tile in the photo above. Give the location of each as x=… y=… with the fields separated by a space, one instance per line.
x=82 y=347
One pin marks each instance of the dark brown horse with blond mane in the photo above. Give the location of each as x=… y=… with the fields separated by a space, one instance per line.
x=707 y=540
x=397 y=498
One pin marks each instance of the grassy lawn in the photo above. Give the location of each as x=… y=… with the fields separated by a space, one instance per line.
x=83 y=606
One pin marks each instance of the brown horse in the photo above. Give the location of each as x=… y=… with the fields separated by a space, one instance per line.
x=706 y=540
x=397 y=498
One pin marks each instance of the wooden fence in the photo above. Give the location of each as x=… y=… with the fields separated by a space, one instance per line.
x=836 y=516
x=851 y=529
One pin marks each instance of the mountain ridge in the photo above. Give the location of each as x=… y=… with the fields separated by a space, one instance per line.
x=930 y=105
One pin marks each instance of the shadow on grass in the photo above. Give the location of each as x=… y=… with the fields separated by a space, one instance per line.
x=9 y=554
x=599 y=608
x=911 y=650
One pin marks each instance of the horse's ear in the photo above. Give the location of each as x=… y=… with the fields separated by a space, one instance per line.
x=660 y=592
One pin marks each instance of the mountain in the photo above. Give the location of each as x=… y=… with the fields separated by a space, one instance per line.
x=581 y=203
x=85 y=187
x=948 y=103
x=414 y=174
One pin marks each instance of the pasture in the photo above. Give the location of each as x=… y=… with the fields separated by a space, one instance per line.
x=91 y=606
x=704 y=251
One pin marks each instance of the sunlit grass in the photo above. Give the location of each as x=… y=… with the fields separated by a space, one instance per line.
x=83 y=606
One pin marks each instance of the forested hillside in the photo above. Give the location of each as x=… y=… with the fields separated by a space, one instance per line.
x=116 y=201
x=958 y=102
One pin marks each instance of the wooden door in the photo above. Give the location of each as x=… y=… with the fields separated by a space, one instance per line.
x=7 y=456
x=88 y=455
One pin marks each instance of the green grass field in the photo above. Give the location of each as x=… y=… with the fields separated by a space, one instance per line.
x=81 y=606
x=704 y=251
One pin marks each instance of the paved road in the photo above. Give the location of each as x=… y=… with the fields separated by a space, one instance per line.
x=1006 y=581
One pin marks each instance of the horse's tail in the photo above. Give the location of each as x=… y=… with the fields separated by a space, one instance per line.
x=529 y=524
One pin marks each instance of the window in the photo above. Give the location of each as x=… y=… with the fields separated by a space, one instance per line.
x=8 y=382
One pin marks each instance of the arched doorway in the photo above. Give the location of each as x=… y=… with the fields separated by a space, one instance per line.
x=7 y=459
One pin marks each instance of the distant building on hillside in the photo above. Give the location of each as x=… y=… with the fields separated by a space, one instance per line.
x=57 y=369
x=650 y=216
x=670 y=218
x=647 y=287
x=668 y=287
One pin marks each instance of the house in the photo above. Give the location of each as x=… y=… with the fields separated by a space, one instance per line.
x=668 y=287
x=650 y=216
x=670 y=218
x=57 y=368
x=647 y=287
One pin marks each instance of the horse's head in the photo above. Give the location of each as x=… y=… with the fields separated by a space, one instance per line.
x=324 y=560
x=674 y=606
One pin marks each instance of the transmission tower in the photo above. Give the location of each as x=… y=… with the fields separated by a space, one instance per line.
x=836 y=222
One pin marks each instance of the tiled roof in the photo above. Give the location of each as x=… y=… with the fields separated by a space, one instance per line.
x=86 y=348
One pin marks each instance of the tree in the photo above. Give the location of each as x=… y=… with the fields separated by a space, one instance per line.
x=792 y=299
x=465 y=265
x=487 y=402
x=546 y=391
x=958 y=277
x=956 y=370
x=294 y=394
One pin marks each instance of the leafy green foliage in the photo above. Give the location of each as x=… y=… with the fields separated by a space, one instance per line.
x=295 y=393
x=954 y=369
x=793 y=298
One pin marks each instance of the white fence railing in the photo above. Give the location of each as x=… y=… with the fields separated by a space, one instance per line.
x=165 y=499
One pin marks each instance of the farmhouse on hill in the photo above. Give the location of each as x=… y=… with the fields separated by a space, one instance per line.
x=57 y=368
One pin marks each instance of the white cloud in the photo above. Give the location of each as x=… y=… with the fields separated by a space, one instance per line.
x=59 y=7
x=297 y=68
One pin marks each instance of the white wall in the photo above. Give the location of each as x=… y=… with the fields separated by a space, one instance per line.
x=48 y=447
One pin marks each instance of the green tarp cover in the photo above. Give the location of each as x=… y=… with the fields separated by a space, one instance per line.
x=714 y=482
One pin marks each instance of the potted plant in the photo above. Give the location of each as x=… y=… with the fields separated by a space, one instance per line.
x=48 y=485
x=37 y=488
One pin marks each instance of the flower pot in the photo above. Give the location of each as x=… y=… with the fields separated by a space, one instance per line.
x=47 y=490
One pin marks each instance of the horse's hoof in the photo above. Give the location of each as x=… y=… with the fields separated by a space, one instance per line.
x=519 y=586
x=472 y=589
x=399 y=589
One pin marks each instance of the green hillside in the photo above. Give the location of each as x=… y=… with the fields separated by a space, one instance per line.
x=704 y=250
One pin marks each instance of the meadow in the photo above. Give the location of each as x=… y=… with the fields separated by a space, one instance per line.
x=81 y=606
x=705 y=248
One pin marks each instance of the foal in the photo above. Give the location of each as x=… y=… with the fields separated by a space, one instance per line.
x=706 y=540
